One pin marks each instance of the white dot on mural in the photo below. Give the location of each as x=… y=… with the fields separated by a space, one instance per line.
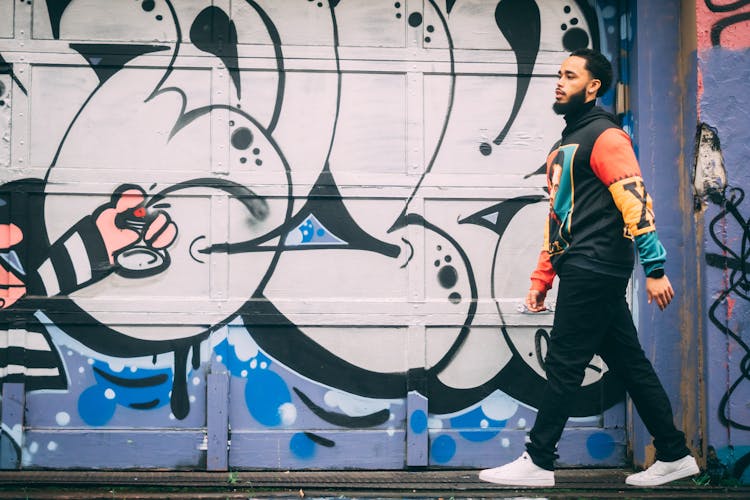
x=81 y=370
x=196 y=381
x=70 y=353
x=434 y=423
x=33 y=447
x=90 y=361
x=263 y=365
x=192 y=399
x=133 y=369
x=51 y=446
x=62 y=418
x=244 y=346
x=499 y=406
x=484 y=423
x=253 y=364
x=109 y=394
x=288 y=413
x=505 y=442
x=243 y=373
x=521 y=423
x=219 y=358
x=171 y=416
x=294 y=238
x=391 y=431
x=116 y=366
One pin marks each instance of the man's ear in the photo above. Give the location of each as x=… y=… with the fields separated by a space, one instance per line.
x=594 y=86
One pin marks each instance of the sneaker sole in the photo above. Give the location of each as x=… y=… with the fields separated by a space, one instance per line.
x=674 y=476
x=510 y=482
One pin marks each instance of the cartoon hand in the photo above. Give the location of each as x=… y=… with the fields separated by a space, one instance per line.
x=125 y=221
x=11 y=286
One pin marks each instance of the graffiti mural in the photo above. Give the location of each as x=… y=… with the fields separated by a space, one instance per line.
x=334 y=204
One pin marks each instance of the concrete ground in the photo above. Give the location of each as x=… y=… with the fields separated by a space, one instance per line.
x=442 y=484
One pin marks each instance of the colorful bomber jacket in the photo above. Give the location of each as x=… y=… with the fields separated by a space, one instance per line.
x=598 y=203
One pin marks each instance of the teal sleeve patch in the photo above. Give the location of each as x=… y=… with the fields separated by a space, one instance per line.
x=651 y=252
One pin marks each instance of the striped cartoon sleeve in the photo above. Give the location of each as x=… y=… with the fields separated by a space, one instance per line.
x=78 y=258
x=614 y=163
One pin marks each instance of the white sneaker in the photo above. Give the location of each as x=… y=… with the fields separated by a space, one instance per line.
x=664 y=472
x=520 y=472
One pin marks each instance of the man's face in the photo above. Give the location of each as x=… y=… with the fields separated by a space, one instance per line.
x=575 y=86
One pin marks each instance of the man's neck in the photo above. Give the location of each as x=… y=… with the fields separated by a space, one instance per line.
x=578 y=112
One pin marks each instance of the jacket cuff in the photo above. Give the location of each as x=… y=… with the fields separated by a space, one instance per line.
x=539 y=285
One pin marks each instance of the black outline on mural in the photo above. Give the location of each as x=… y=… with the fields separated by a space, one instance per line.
x=737 y=281
x=720 y=25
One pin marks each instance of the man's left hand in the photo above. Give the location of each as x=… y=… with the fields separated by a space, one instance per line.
x=659 y=290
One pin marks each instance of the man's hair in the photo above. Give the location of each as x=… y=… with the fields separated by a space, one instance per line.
x=598 y=66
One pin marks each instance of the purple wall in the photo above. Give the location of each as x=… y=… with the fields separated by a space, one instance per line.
x=659 y=98
x=723 y=61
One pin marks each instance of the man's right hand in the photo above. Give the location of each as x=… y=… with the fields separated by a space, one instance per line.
x=535 y=301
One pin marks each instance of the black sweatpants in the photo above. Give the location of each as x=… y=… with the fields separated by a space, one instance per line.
x=592 y=317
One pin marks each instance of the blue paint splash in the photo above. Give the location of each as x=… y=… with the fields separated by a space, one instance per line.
x=312 y=232
x=443 y=449
x=265 y=391
x=302 y=446
x=600 y=445
x=473 y=421
x=142 y=389
x=418 y=421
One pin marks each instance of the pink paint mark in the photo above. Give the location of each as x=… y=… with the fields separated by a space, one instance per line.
x=732 y=27
x=730 y=306
x=700 y=90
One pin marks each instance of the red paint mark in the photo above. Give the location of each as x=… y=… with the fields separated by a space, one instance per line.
x=732 y=26
x=730 y=306
x=139 y=212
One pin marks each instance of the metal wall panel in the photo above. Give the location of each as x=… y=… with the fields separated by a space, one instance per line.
x=357 y=207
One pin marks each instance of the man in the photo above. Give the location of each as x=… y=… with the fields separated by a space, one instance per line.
x=595 y=184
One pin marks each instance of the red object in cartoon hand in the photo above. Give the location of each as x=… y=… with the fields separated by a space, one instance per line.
x=135 y=238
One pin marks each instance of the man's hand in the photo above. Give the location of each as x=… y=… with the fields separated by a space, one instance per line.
x=11 y=287
x=660 y=290
x=535 y=301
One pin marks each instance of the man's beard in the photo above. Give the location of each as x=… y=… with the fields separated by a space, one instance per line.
x=575 y=102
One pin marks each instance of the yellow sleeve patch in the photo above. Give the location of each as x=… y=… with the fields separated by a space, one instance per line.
x=635 y=204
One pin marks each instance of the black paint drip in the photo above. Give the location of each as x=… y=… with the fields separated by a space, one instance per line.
x=520 y=23
x=196 y=349
x=214 y=32
x=179 y=402
x=56 y=8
